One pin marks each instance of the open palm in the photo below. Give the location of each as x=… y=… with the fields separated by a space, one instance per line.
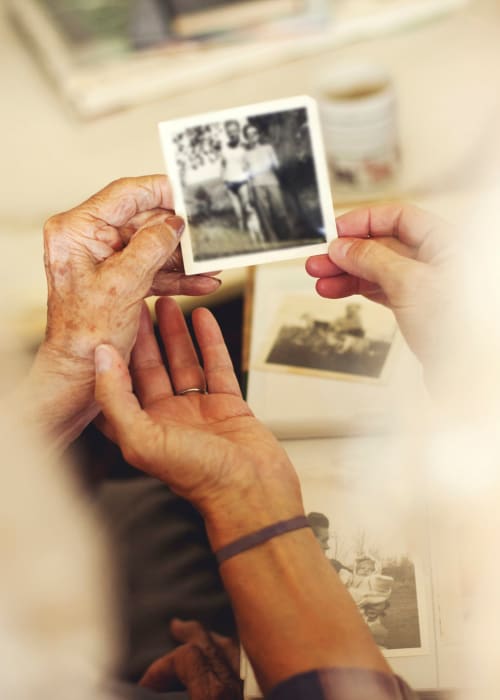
x=188 y=426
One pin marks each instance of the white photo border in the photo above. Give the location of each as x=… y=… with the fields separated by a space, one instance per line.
x=169 y=129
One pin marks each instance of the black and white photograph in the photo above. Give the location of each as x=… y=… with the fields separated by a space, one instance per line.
x=252 y=184
x=350 y=339
x=380 y=578
x=370 y=522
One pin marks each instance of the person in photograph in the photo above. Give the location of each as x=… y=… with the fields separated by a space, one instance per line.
x=235 y=174
x=320 y=526
x=347 y=334
x=373 y=599
x=374 y=608
x=350 y=323
x=365 y=566
x=366 y=578
x=323 y=341
x=265 y=186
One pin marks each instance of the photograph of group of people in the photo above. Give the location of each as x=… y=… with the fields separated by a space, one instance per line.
x=249 y=184
x=351 y=339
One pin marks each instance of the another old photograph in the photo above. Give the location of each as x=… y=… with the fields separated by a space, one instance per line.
x=350 y=339
x=376 y=548
x=252 y=184
x=381 y=582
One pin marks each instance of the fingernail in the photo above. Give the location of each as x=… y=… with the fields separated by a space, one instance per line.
x=209 y=279
x=177 y=225
x=341 y=247
x=103 y=359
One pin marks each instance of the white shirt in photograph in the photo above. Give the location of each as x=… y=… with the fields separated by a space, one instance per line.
x=263 y=162
x=234 y=163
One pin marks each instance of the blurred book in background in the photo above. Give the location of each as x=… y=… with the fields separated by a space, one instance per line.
x=193 y=18
x=112 y=54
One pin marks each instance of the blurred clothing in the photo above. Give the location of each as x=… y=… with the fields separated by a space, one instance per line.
x=263 y=164
x=234 y=163
x=166 y=565
x=343 y=684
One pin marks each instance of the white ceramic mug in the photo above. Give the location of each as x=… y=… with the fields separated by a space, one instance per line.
x=359 y=120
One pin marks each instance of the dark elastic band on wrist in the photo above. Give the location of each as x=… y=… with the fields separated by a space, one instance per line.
x=259 y=537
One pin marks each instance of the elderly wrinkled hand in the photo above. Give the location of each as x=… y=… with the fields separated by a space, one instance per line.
x=102 y=259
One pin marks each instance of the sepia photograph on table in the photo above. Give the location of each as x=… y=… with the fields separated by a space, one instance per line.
x=369 y=516
x=352 y=339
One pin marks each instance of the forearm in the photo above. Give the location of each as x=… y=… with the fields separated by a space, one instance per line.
x=293 y=612
x=58 y=401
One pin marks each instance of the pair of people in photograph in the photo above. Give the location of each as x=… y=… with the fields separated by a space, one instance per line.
x=370 y=589
x=250 y=171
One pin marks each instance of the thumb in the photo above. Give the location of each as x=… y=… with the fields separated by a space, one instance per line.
x=119 y=405
x=369 y=260
x=149 y=249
